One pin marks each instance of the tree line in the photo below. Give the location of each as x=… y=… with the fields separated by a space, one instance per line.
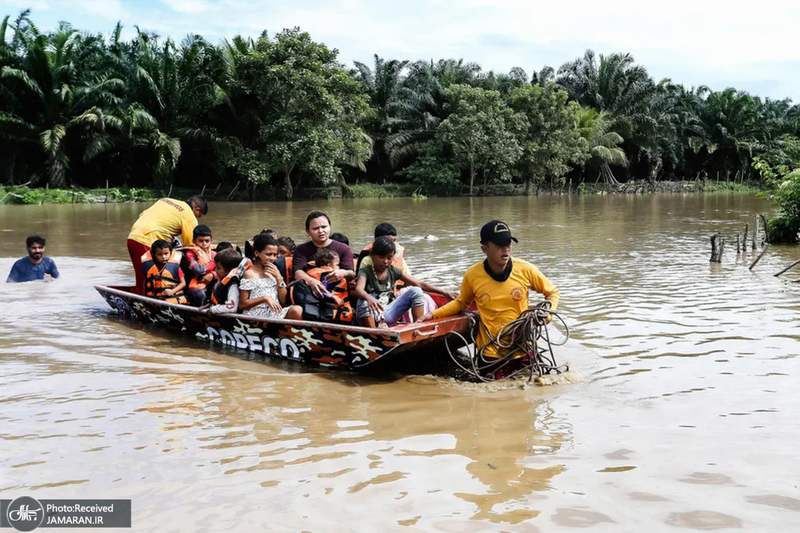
x=280 y=112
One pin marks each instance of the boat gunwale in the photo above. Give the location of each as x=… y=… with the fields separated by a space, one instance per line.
x=394 y=334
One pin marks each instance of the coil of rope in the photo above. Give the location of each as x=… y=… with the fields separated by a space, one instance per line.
x=526 y=335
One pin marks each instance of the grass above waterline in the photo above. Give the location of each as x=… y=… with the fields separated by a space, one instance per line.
x=24 y=195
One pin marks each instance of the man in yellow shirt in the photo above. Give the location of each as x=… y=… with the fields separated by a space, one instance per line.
x=498 y=285
x=165 y=219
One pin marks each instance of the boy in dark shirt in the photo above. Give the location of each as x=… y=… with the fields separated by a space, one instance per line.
x=375 y=289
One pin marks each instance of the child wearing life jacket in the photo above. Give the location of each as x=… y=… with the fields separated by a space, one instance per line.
x=284 y=261
x=262 y=291
x=285 y=246
x=325 y=262
x=164 y=278
x=230 y=267
x=375 y=283
x=198 y=264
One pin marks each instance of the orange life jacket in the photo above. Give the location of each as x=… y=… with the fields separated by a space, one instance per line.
x=203 y=258
x=340 y=293
x=220 y=293
x=157 y=281
x=284 y=265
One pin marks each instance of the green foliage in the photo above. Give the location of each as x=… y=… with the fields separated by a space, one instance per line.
x=376 y=190
x=279 y=112
x=548 y=136
x=480 y=133
x=308 y=110
x=24 y=195
x=433 y=173
x=601 y=145
x=784 y=180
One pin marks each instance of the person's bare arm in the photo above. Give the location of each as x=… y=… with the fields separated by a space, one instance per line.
x=427 y=287
x=360 y=292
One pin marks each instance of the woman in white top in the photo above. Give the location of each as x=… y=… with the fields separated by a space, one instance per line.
x=262 y=291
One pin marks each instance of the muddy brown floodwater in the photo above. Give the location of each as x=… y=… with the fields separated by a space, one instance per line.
x=685 y=414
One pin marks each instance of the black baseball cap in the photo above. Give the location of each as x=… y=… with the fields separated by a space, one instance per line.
x=498 y=232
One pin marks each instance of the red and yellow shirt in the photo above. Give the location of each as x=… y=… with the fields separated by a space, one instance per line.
x=165 y=219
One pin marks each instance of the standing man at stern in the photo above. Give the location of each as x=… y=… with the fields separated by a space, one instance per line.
x=165 y=219
x=498 y=285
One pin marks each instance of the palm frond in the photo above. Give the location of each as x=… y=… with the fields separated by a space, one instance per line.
x=51 y=140
x=23 y=76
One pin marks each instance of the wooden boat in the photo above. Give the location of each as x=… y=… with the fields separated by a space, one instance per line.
x=417 y=346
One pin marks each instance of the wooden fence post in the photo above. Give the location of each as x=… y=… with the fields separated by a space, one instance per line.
x=744 y=240
x=787 y=268
x=754 y=263
x=717 y=246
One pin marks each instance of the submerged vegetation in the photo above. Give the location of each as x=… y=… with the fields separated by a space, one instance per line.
x=279 y=113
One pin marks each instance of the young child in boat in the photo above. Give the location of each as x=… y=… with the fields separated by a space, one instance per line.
x=262 y=291
x=285 y=246
x=230 y=267
x=327 y=261
x=385 y=230
x=162 y=272
x=377 y=303
x=198 y=261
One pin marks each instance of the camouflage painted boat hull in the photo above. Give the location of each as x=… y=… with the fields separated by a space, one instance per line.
x=419 y=348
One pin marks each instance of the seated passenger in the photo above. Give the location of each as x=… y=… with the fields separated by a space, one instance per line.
x=163 y=277
x=248 y=244
x=230 y=267
x=198 y=265
x=342 y=238
x=332 y=304
x=262 y=291
x=384 y=230
x=285 y=247
x=318 y=226
x=375 y=289
x=227 y=245
x=327 y=261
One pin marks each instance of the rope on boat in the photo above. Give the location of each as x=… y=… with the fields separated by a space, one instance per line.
x=528 y=334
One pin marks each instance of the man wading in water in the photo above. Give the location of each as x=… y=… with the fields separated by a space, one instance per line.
x=499 y=286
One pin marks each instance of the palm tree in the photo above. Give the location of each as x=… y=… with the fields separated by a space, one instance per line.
x=727 y=127
x=129 y=136
x=177 y=86
x=382 y=84
x=601 y=144
x=617 y=85
x=544 y=77
x=50 y=91
x=420 y=108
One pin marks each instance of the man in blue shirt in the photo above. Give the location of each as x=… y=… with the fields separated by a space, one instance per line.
x=34 y=267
